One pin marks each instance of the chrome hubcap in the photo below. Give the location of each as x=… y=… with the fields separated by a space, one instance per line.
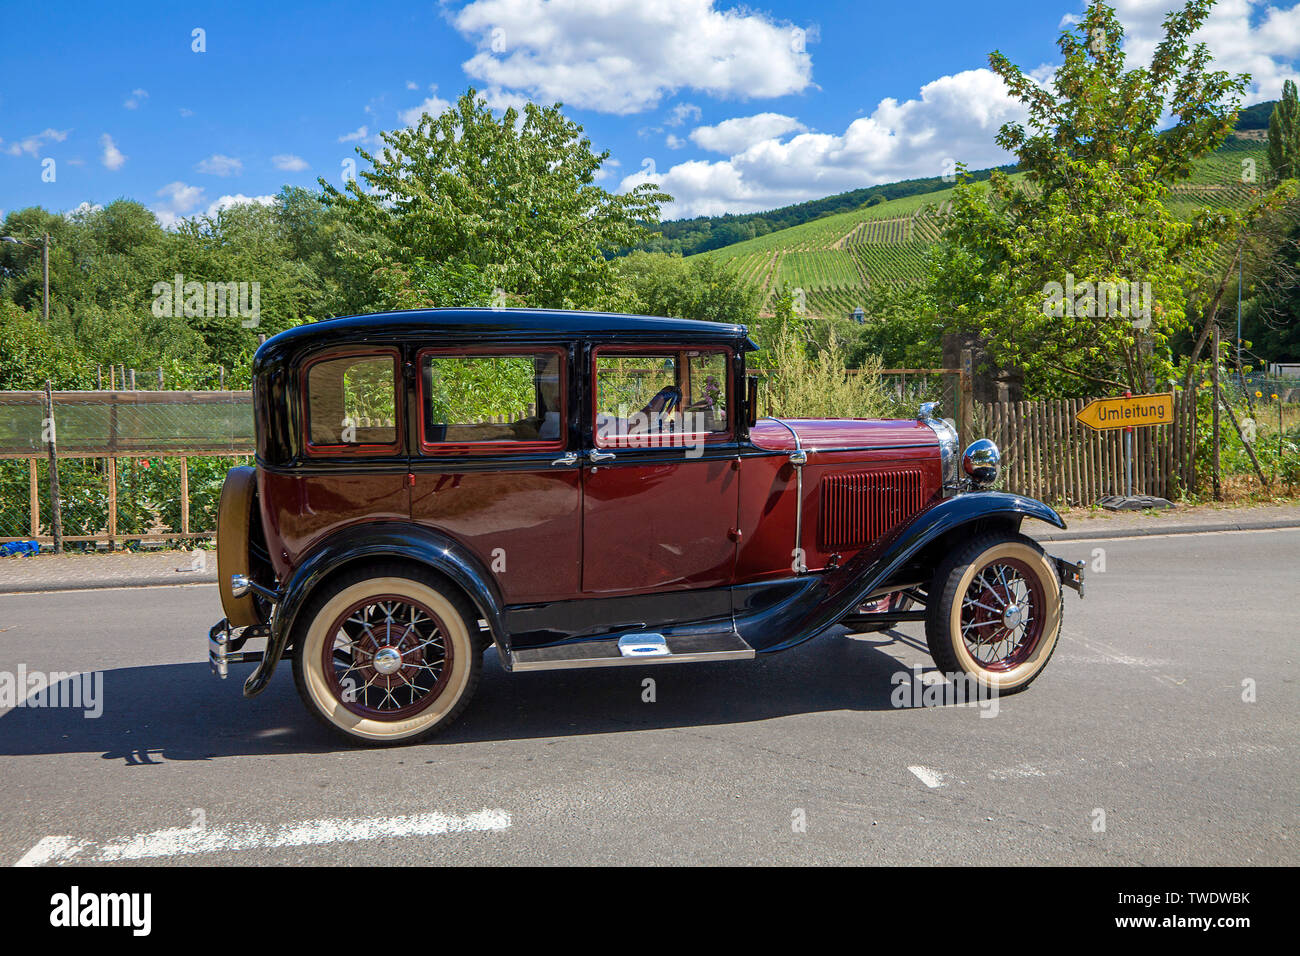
x=1012 y=616
x=387 y=660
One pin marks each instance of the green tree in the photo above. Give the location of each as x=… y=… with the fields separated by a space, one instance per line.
x=513 y=197
x=30 y=355
x=244 y=244
x=652 y=283
x=426 y=285
x=1041 y=266
x=902 y=328
x=1284 y=135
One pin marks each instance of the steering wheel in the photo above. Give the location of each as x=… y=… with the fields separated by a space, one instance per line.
x=665 y=401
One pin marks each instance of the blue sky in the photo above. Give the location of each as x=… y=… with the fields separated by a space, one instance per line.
x=728 y=107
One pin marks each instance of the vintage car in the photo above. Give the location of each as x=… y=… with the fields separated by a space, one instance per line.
x=591 y=490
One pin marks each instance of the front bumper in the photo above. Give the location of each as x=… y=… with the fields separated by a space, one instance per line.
x=1070 y=573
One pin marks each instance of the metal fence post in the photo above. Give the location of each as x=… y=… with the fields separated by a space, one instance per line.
x=35 y=498
x=56 y=507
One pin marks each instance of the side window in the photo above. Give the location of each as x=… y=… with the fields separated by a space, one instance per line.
x=479 y=399
x=352 y=402
x=668 y=397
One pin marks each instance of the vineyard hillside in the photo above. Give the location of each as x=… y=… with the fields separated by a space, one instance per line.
x=835 y=259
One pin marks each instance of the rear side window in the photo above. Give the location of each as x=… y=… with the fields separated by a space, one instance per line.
x=482 y=400
x=352 y=402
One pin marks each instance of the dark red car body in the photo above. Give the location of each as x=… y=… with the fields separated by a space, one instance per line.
x=758 y=538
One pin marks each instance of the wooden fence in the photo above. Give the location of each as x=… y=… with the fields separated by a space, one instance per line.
x=1047 y=454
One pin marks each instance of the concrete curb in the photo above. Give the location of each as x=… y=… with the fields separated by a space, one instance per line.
x=143 y=581
x=1160 y=530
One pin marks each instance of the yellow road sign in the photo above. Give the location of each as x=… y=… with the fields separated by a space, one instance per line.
x=1135 y=412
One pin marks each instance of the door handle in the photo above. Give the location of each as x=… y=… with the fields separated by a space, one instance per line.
x=570 y=458
x=595 y=456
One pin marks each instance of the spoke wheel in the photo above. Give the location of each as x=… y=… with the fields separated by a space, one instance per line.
x=388 y=655
x=1002 y=614
x=995 y=611
x=389 y=659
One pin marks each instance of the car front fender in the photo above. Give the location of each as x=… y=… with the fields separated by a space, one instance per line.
x=368 y=544
x=774 y=617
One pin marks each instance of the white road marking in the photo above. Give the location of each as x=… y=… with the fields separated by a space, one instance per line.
x=931 y=778
x=179 y=841
x=1110 y=653
x=49 y=849
x=1020 y=771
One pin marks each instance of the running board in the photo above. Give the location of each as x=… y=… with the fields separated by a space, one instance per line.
x=633 y=649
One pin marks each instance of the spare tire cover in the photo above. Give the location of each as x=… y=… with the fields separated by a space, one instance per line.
x=234 y=520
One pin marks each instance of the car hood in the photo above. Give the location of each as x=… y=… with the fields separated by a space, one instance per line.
x=828 y=434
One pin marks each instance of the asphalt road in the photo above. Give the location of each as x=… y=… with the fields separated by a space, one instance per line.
x=1140 y=715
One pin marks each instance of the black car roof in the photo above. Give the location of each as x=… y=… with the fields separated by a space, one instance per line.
x=493 y=325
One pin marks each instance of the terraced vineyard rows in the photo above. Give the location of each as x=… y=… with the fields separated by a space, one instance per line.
x=824 y=269
x=900 y=261
x=836 y=258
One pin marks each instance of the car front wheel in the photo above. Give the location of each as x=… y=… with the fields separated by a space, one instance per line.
x=995 y=612
x=387 y=656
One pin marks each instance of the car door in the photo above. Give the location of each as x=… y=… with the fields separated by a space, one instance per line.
x=491 y=468
x=660 y=475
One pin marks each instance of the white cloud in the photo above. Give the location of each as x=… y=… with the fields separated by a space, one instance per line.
x=179 y=198
x=136 y=98
x=675 y=142
x=608 y=168
x=683 y=113
x=239 y=199
x=501 y=100
x=85 y=209
x=32 y=145
x=412 y=85
x=1245 y=36
x=733 y=135
x=955 y=117
x=219 y=165
x=289 y=163
x=112 y=157
x=624 y=56
x=433 y=105
x=181 y=202
x=357 y=135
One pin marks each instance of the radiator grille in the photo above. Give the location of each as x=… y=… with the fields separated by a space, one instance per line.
x=859 y=507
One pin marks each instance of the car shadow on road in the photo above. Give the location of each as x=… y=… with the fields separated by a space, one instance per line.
x=172 y=712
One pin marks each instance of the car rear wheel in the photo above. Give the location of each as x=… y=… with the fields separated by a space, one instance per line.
x=996 y=612
x=387 y=655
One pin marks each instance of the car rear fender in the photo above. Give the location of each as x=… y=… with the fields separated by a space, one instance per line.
x=368 y=544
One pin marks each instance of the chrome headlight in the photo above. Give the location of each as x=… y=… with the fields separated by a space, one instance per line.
x=982 y=462
x=946 y=431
